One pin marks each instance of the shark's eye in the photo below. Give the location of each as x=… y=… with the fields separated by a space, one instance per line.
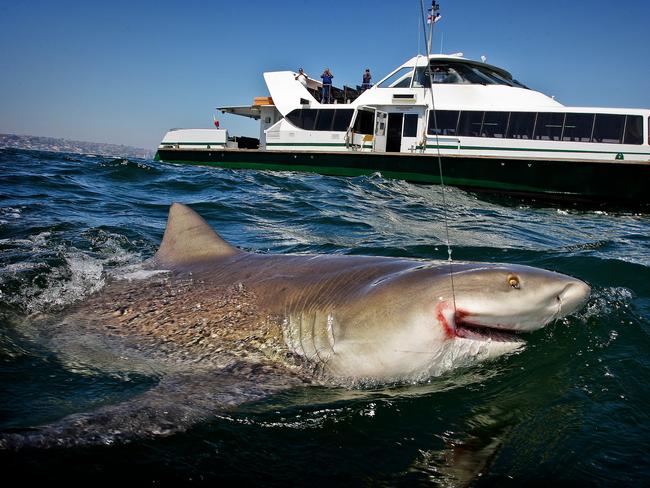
x=513 y=281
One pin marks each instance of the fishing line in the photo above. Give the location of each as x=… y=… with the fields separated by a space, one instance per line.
x=427 y=41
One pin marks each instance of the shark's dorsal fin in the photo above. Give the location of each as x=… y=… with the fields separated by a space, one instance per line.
x=188 y=239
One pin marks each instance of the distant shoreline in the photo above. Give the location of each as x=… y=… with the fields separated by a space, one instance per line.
x=42 y=143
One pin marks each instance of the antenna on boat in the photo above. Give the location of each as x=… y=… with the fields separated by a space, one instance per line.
x=433 y=17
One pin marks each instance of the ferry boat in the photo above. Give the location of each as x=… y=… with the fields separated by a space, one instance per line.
x=436 y=117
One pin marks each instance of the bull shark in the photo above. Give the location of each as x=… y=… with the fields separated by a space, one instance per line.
x=218 y=327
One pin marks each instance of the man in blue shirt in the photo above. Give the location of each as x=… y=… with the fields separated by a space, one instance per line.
x=327 y=86
x=365 y=84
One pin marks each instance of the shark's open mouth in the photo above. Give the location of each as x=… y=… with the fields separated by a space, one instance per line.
x=468 y=330
x=485 y=334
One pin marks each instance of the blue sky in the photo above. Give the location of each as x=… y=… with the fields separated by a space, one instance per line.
x=126 y=71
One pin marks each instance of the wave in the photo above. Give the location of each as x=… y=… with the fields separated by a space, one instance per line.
x=59 y=274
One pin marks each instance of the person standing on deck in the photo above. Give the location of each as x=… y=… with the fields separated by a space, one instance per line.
x=327 y=86
x=301 y=77
x=365 y=84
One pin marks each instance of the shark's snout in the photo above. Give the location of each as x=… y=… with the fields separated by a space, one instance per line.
x=573 y=297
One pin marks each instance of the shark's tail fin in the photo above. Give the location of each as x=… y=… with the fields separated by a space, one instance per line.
x=188 y=239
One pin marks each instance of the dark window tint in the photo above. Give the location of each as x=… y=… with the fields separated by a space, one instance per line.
x=497 y=77
x=365 y=122
x=633 y=130
x=309 y=118
x=470 y=75
x=324 y=119
x=608 y=128
x=303 y=118
x=521 y=125
x=495 y=124
x=445 y=122
x=470 y=124
x=295 y=117
x=422 y=78
x=342 y=118
x=410 y=125
x=549 y=126
x=578 y=127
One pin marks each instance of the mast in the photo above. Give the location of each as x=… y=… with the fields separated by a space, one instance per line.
x=433 y=17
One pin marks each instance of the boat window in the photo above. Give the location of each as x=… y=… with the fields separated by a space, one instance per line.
x=521 y=125
x=608 y=128
x=303 y=118
x=295 y=117
x=495 y=124
x=501 y=80
x=470 y=75
x=421 y=78
x=309 y=118
x=578 y=127
x=342 y=118
x=469 y=123
x=365 y=122
x=400 y=79
x=439 y=74
x=549 y=126
x=446 y=122
x=633 y=130
x=410 y=125
x=324 y=119
x=450 y=72
x=483 y=76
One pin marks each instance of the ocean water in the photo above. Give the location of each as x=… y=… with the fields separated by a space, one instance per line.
x=571 y=407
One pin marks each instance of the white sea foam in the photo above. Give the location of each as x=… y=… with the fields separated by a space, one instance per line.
x=605 y=301
x=11 y=212
x=15 y=242
x=82 y=276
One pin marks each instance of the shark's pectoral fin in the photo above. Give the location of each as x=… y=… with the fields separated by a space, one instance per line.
x=189 y=239
x=174 y=405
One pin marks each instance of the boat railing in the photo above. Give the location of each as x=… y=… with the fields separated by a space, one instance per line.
x=339 y=95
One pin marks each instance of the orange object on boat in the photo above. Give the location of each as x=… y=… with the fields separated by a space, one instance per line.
x=262 y=101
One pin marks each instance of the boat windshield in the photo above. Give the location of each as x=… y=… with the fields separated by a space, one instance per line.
x=458 y=74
